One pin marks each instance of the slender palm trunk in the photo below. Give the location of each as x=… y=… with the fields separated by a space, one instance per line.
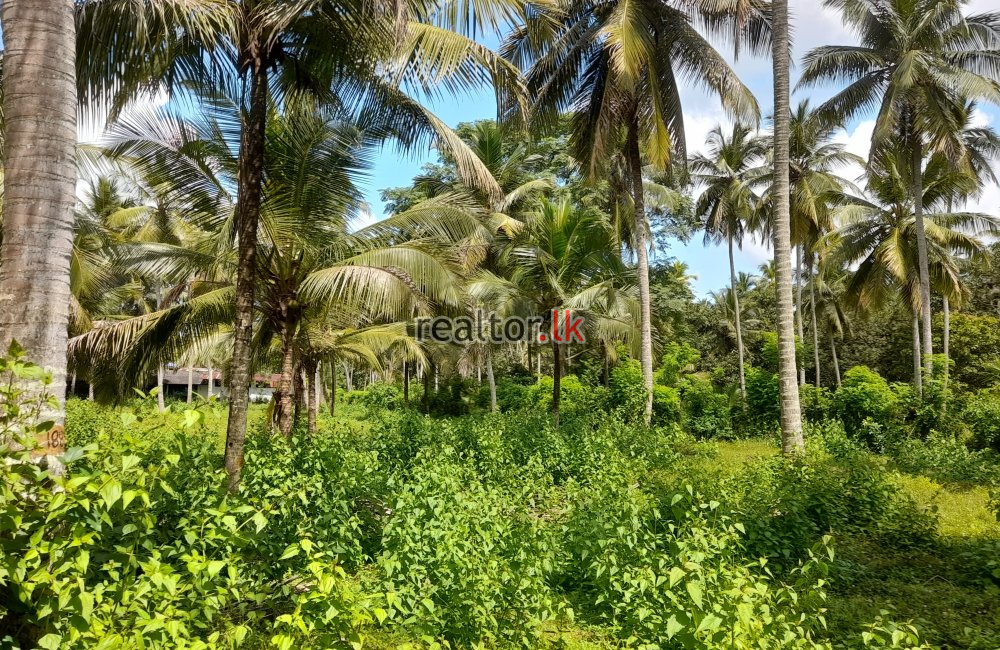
x=90 y=391
x=348 y=378
x=313 y=396
x=836 y=362
x=190 y=386
x=739 y=327
x=556 y=383
x=427 y=388
x=642 y=266
x=406 y=381
x=492 y=380
x=918 y=383
x=791 y=416
x=72 y=385
x=211 y=381
x=284 y=405
x=916 y=160
x=798 y=309
x=945 y=349
x=812 y=309
x=39 y=188
x=160 y=403
x=301 y=395
x=333 y=386
x=251 y=166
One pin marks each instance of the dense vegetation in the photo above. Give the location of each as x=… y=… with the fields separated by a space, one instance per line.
x=391 y=528
x=806 y=458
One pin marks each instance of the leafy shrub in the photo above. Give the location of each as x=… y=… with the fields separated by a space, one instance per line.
x=943 y=458
x=670 y=575
x=816 y=403
x=627 y=394
x=575 y=399
x=982 y=415
x=788 y=505
x=678 y=360
x=465 y=562
x=762 y=415
x=867 y=406
x=378 y=397
x=706 y=412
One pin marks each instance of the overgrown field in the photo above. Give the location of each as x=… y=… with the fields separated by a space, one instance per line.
x=394 y=529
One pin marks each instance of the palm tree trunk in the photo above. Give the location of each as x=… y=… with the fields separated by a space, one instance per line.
x=791 y=416
x=333 y=386
x=642 y=266
x=406 y=381
x=313 y=374
x=90 y=391
x=160 y=404
x=251 y=165
x=916 y=161
x=556 y=383
x=798 y=308
x=918 y=383
x=39 y=188
x=301 y=395
x=284 y=406
x=427 y=387
x=190 y=387
x=739 y=327
x=836 y=362
x=211 y=381
x=812 y=309
x=945 y=348
x=492 y=380
x=348 y=378
x=72 y=385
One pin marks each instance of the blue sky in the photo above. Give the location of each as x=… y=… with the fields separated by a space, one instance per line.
x=812 y=25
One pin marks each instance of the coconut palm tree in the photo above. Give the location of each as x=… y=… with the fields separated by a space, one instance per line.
x=878 y=237
x=308 y=258
x=39 y=148
x=615 y=65
x=816 y=187
x=728 y=202
x=561 y=259
x=918 y=62
x=356 y=56
x=791 y=416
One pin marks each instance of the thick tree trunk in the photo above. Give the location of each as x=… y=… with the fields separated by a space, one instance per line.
x=284 y=405
x=642 y=267
x=556 y=383
x=251 y=166
x=917 y=374
x=739 y=327
x=39 y=188
x=836 y=361
x=791 y=417
x=160 y=403
x=946 y=350
x=492 y=380
x=916 y=160
x=798 y=309
x=812 y=310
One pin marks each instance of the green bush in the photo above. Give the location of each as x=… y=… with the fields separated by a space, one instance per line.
x=816 y=403
x=982 y=415
x=627 y=395
x=464 y=562
x=945 y=459
x=868 y=407
x=672 y=575
x=762 y=415
x=706 y=412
